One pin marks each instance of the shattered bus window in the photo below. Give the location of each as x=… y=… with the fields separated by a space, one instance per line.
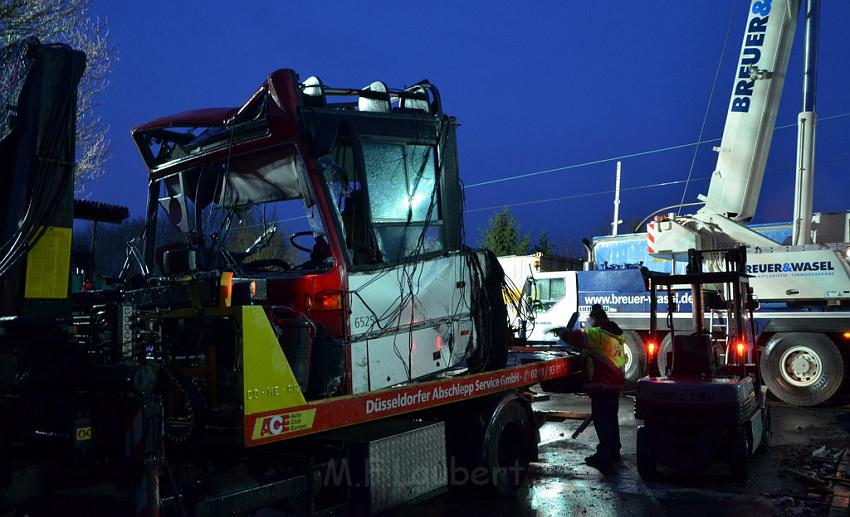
x=167 y=146
x=253 y=213
x=404 y=198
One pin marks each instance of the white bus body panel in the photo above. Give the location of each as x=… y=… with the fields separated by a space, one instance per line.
x=409 y=329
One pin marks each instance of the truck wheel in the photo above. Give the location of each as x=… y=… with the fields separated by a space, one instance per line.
x=740 y=464
x=635 y=351
x=802 y=368
x=665 y=347
x=491 y=443
x=509 y=446
x=645 y=460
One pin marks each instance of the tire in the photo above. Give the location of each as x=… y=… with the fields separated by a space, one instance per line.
x=740 y=461
x=491 y=444
x=646 y=466
x=665 y=347
x=802 y=368
x=635 y=357
x=508 y=442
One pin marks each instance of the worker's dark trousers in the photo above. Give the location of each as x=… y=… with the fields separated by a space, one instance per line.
x=605 y=405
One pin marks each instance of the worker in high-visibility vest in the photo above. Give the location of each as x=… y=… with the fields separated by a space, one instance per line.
x=601 y=342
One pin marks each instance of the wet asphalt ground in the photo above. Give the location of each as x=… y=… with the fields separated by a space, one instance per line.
x=560 y=484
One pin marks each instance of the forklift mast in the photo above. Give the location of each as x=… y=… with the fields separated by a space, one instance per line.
x=725 y=293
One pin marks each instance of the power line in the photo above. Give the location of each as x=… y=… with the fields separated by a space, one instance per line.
x=708 y=104
x=586 y=194
x=625 y=156
x=585 y=164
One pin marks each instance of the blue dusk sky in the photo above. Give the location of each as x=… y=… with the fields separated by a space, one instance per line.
x=564 y=85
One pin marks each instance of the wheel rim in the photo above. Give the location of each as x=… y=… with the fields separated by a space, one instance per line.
x=512 y=461
x=800 y=366
x=627 y=352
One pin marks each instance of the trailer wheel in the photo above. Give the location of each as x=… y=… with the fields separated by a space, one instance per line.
x=665 y=347
x=802 y=368
x=740 y=462
x=645 y=460
x=635 y=352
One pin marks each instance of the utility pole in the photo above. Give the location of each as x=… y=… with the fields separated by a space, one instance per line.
x=617 y=219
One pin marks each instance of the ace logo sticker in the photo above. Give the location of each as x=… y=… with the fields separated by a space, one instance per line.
x=282 y=423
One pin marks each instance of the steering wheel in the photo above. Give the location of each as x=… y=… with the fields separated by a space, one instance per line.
x=272 y=264
x=298 y=246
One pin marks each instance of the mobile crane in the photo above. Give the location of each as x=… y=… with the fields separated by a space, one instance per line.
x=800 y=272
x=801 y=354
x=226 y=371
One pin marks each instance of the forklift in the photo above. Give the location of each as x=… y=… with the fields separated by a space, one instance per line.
x=709 y=406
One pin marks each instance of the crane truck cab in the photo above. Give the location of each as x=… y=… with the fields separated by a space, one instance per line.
x=549 y=299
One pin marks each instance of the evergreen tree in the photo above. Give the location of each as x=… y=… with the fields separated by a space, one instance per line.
x=544 y=245
x=503 y=235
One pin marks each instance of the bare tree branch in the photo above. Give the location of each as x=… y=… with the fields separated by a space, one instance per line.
x=69 y=21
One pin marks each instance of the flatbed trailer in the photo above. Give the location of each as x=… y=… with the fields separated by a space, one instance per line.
x=356 y=453
x=335 y=413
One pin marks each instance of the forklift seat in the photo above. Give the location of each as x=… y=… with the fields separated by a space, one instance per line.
x=693 y=356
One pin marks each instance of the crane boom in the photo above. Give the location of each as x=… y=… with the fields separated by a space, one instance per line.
x=754 y=103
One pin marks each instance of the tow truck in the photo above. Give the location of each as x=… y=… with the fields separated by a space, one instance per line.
x=299 y=325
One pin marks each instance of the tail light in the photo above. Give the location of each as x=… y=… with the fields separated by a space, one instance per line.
x=328 y=301
x=650 y=349
x=741 y=349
